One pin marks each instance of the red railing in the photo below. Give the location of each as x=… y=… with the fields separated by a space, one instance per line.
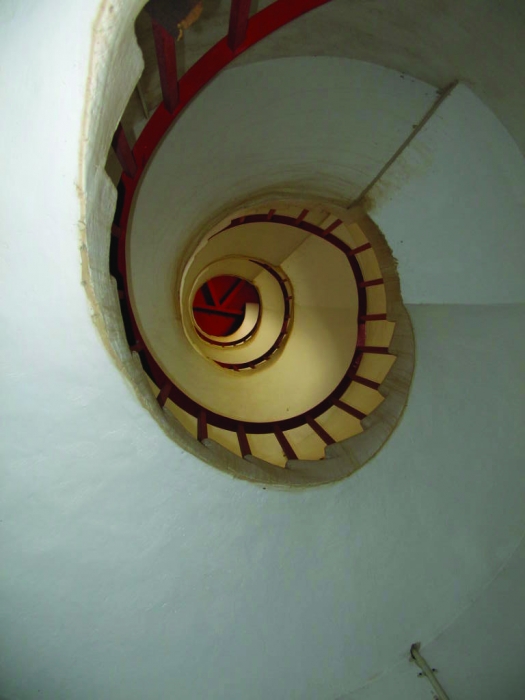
x=169 y=390
x=252 y=364
x=243 y=33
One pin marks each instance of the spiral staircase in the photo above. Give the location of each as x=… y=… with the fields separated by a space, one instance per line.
x=324 y=157
x=311 y=370
x=321 y=297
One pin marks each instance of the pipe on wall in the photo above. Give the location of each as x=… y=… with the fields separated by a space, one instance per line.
x=427 y=672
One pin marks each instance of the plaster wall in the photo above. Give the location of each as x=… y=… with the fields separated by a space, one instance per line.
x=475 y=41
x=461 y=185
x=102 y=559
x=437 y=42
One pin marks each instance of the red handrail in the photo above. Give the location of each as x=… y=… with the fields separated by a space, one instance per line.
x=259 y=26
x=284 y=329
x=194 y=408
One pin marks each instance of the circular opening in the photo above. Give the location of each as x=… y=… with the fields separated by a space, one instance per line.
x=225 y=305
x=299 y=284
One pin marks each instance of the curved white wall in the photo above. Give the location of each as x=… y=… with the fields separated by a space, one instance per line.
x=130 y=569
x=467 y=170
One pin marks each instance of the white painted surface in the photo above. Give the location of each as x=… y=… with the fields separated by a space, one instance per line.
x=487 y=631
x=479 y=656
x=129 y=576
x=131 y=570
x=475 y=40
x=478 y=41
x=453 y=209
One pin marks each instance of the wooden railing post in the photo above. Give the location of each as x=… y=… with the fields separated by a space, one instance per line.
x=319 y=430
x=360 y=249
x=239 y=14
x=164 y=393
x=373 y=317
x=332 y=227
x=371 y=283
x=366 y=382
x=301 y=216
x=202 y=425
x=374 y=349
x=349 y=409
x=244 y=445
x=167 y=64
x=283 y=442
x=123 y=152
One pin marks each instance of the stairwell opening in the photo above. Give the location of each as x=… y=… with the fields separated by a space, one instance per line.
x=324 y=391
x=226 y=310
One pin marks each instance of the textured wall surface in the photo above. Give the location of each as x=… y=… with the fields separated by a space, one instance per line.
x=461 y=185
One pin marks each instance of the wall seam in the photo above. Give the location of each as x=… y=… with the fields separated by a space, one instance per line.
x=441 y=97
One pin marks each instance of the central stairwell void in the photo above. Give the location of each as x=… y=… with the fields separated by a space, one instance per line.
x=304 y=366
